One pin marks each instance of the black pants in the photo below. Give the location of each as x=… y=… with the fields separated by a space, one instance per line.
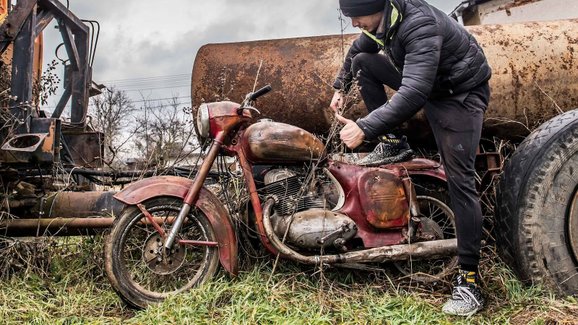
x=456 y=122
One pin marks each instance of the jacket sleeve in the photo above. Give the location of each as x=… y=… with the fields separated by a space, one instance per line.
x=362 y=44
x=422 y=42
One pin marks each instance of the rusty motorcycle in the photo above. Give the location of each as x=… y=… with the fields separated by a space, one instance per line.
x=306 y=206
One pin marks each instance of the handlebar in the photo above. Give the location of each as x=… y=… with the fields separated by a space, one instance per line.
x=259 y=93
x=251 y=97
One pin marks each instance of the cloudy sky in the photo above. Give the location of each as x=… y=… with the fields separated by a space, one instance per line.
x=147 y=47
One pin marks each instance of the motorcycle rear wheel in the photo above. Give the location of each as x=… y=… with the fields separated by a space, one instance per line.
x=436 y=215
x=135 y=265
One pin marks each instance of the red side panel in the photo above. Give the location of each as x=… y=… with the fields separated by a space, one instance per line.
x=375 y=198
x=383 y=199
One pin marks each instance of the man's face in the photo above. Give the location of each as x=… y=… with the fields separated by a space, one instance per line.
x=369 y=23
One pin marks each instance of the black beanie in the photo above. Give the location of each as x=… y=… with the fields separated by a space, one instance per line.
x=358 y=8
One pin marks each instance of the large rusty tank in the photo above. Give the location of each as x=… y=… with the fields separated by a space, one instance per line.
x=535 y=76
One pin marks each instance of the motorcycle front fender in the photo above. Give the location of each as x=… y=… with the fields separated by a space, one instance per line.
x=207 y=202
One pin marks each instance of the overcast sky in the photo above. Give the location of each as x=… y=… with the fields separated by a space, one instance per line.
x=148 y=46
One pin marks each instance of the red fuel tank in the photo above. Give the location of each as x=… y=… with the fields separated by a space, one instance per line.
x=270 y=142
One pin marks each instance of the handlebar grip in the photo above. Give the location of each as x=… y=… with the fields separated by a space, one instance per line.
x=260 y=92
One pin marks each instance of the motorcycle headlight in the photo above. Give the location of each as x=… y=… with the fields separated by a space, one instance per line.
x=203 y=125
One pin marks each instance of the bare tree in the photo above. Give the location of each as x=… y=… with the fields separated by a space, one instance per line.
x=164 y=133
x=112 y=114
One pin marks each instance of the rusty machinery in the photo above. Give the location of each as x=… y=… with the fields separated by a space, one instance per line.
x=37 y=150
x=48 y=166
x=535 y=79
x=484 y=12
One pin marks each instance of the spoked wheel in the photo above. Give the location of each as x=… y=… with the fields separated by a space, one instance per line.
x=140 y=269
x=436 y=222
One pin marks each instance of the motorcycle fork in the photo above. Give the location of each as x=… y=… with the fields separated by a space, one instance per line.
x=194 y=190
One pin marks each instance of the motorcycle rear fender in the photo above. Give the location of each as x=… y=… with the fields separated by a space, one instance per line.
x=424 y=167
x=207 y=202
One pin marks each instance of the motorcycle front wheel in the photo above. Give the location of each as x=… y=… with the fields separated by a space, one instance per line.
x=139 y=269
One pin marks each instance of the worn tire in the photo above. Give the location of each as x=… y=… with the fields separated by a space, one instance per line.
x=537 y=189
x=130 y=286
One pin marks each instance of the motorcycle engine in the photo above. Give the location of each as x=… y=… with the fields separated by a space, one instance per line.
x=303 y=211
x=287 y=186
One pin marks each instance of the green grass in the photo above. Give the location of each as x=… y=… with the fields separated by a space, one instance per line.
x=61 y=281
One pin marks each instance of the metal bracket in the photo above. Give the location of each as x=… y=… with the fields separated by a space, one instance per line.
x=28 y=142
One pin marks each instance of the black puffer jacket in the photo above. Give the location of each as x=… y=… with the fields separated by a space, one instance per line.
x=436 y=56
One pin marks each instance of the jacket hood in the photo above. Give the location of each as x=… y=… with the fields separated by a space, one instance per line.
x=393 y=15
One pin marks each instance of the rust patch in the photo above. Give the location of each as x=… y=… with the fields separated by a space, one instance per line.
x=518 y=3
x=514 y=4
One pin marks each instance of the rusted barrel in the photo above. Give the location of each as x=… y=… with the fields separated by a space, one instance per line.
x=535 y=76
x=63 y=213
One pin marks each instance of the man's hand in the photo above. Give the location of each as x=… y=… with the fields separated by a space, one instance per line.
x=337 y=101
x=351 y=134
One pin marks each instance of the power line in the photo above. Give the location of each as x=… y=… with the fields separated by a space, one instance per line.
x=140 y=84
x=150 y=83
x=171 y=104
x=149 y=78
x=90 y=104
x=162 y=105
x=153 y=88
x=158 y=99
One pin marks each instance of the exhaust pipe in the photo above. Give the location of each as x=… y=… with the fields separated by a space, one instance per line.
x=423 y=250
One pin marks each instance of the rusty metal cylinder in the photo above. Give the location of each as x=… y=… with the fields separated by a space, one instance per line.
x=535 y=76
x=55 y=226
x=79 y=205
x=65 y=213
